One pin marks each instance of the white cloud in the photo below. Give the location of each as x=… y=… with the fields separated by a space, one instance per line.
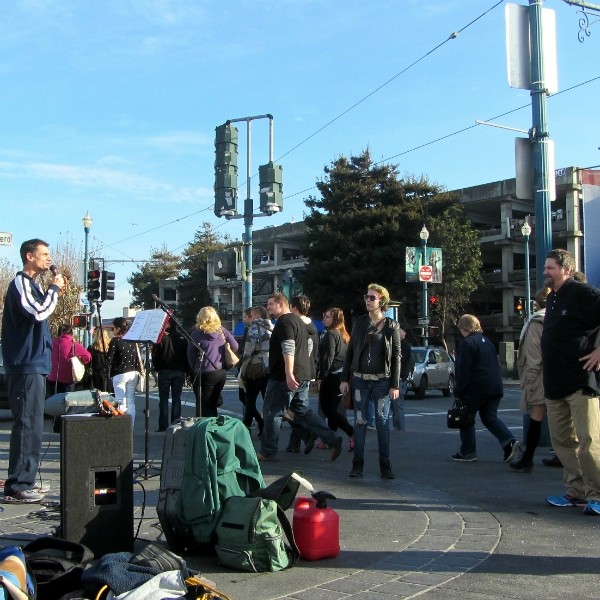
x=87 y=176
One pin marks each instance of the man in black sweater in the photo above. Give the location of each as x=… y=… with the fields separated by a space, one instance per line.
x=570 y=360
x=289 y=363
x=170 y=360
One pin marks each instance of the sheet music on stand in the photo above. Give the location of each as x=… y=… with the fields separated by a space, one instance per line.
x=148 y=326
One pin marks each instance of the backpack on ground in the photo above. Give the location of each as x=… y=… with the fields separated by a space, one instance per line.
x=250 y=529
x=250 y=536
x=57 y=565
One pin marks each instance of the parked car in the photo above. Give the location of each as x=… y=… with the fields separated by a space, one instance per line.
x=434 y=370
x=3 y=389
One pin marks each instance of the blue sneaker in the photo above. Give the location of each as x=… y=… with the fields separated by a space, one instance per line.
x=592 y=508
x=565 y=500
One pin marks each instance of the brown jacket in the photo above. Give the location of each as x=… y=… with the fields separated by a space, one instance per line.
x=529 y=361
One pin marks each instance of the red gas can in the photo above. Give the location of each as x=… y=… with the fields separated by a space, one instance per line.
x=316 y=528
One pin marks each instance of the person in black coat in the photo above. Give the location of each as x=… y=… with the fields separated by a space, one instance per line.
x=100 y=379
x=479 y=387
x=170 y=360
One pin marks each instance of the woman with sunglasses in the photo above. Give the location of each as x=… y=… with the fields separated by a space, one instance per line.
x=373 y=361
x=332 y=354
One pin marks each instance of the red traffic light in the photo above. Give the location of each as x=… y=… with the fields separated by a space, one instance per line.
x=80 y=321
x=433 y=300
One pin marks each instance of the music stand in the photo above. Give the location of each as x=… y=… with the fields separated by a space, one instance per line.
x=147 y=328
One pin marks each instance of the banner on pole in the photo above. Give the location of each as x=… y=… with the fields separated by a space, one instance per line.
x=414 y=262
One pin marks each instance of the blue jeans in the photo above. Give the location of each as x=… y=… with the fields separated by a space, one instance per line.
x=377 y=392
x=169 y=380
x=26 y=395
x=488 y=414
x=277 y=401
x=398 y=408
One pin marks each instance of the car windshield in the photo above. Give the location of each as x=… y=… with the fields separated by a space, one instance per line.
x=419 y=355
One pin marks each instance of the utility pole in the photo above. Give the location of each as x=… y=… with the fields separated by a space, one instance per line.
x=539 y=139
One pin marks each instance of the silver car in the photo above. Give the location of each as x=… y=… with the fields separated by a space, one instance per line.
x=434 y=370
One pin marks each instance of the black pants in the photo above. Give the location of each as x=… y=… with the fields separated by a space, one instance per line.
x=208 y=390
x=329 y=397
x=253 y=388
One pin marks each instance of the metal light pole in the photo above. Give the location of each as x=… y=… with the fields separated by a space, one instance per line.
x=539 y=138
x=424 y=235
x=526 y=231
x=248 y=215
x=87 y=223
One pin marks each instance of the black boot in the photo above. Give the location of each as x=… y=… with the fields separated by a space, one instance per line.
x=357 y=468
x=386 y=469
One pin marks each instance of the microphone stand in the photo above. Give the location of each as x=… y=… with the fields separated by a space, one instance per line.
x=188 y=337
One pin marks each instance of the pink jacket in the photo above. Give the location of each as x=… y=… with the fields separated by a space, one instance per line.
x=62 y=351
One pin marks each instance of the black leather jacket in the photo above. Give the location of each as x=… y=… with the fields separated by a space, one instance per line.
x=391 y=334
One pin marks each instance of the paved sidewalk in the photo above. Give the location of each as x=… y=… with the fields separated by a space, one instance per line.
x=441 y=529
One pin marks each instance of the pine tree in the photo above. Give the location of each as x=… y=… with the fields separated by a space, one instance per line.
x=359 y=228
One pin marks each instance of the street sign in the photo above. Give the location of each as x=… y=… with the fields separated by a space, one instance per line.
x=423 y=321
x=425 y=273
x=5 y=239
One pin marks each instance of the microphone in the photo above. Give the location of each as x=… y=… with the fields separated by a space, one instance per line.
x=54 y=270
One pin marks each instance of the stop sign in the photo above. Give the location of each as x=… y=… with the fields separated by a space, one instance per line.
x=425 y=273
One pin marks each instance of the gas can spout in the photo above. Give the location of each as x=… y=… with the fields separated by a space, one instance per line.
x=322 y=497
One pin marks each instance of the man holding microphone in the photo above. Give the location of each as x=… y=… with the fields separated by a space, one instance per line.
x=26 y=349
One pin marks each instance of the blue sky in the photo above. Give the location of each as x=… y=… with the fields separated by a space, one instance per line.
x=111 y=106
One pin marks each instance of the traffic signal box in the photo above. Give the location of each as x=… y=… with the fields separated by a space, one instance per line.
x=270 y=187
x=107 y=286
x=93 y=285
x=519 y=306
x=226 y=161
x=81 y=321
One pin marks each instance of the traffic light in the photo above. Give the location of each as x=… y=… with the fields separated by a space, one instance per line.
x=93 y=285
x=107 y=287
x=420 y=299
x=270 y=188
x=433 y=301
x=434 y=331
x=226 y=160
x=519 y=306
x=81 y=321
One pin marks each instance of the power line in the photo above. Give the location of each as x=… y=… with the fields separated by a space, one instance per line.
x=451 y=37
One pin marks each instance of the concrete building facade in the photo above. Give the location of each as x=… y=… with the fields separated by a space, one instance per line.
x=495 y=211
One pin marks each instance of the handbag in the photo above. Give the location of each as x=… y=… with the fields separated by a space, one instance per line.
x=230 y=358
x=77 y=367
x=140 y=386
x=459 y=416
x=347 y=398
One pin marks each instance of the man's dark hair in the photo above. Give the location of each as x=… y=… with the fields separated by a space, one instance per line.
x=31 y=246
x=120 y=324
x=579 y=276
x=248 y=311
x=261 y=311
x=540 y=297
x=301 y=304
x=563 y=258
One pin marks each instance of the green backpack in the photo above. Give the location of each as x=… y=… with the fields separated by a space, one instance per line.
x=250 y=536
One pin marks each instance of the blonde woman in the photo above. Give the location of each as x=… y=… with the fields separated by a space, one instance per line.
x=211 y=337
x=99 y=351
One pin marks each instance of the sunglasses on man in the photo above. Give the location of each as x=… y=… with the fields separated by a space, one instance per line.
x=371 y=297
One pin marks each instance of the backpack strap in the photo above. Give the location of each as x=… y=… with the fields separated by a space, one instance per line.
x=292 y=549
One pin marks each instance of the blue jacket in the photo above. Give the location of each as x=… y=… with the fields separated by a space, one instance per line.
x=477 y=370
x=26 y=339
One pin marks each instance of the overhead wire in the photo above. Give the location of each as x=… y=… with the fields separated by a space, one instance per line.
x=451 y=37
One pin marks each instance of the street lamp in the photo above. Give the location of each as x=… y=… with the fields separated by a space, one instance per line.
x=87 y=223
x=424 y=235
x=526 y=231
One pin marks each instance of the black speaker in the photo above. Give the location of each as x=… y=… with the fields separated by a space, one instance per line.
x=96 y=482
